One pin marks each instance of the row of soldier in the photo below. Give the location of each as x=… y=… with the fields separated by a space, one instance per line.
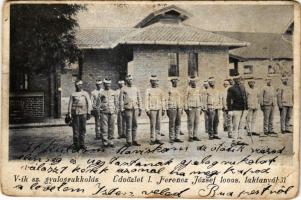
x=238 y=104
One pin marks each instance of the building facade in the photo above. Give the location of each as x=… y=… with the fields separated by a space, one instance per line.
x=160 y=44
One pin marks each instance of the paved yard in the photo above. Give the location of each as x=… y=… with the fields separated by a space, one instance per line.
x=55 y=140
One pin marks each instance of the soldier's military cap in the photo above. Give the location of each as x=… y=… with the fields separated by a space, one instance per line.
x=236 y=77
x=251 y=80
x=173 y=78
x=98 y=82
x=211 y=78
x=129 y=77
x=284 y=77
x=268 y=78
x=192 y=78
x=78 y=82
x=121 y=82
x=107 y=80
x=153 y=78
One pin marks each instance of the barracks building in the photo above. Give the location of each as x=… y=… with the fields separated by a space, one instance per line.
x=162 y=44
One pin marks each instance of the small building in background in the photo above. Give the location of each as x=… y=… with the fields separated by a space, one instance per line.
x=268 y=55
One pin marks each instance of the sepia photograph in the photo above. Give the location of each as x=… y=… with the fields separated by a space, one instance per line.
x=184 y=99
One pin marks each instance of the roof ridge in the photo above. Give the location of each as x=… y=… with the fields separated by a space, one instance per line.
x=243 y=32
x=197 y=28
x=95 y=28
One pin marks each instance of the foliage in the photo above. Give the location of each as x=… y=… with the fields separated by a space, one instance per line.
x=42 y=36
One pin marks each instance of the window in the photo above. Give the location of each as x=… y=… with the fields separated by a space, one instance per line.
x=193 y=64
x=248 y=69
x=173 y=64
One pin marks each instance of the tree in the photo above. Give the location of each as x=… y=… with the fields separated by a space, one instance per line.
x=42 y=36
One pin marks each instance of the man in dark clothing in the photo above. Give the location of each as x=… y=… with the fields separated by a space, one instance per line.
x=237 y=106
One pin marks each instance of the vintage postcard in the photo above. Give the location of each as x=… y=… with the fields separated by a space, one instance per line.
x=151 y=99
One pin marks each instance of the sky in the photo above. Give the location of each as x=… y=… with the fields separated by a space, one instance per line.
x=236 y=18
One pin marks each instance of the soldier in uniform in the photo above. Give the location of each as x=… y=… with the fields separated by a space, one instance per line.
x=204 y=96
x=253 y=107
x=121 y=125
x=154 y=107
x=267 y=104
x=224 y=106
x=213 y=104
x=193 y=108
x=237 y=106
x=95 y=113
x=174 y=111
x=79 y=110
x=107 y=105
x=131 y=107
x=285 y=104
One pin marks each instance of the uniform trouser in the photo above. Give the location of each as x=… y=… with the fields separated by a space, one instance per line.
x=213 y=120
x=251 y=120
x=226 y=120
x=130 y=118
x=206 y=123
x=97 y=126
x=174 y=123
x=238 y=119
x=268 y=117
x=121 y=124
x=285 y=117
x=107 y=125
x=79 y=129
x=193 y=122
x=155 y=118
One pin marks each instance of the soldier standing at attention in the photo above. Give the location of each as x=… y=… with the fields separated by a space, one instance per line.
x=267 y=104
x=204 y=96
x=154 y=107
x=224 y=106
x=79 y=110
x=95 y=113
x=237 y=106
x=121 y=125
x=193 y=108
x=131 y=107
x=213 y=105
x=285 y=103
x=174 y=111
x=107 y=104
x=253 y=107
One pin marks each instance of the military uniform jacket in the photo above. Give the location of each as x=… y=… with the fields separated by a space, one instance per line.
x=79 y=103
x=237 y=98
x=193 y=98
x=204 y=97
x=94 y=96
x=253 y=98
x=107 y=101
x=154 y=99
x=130 y=98
x=268 y=96
x=224 y=98
x=285 y=96
x=174 y=99
x=214 y=98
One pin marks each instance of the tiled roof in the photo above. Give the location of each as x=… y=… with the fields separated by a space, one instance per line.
x=162 y=34
x=168 y=34
x=101 y=38
x=262 y=45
